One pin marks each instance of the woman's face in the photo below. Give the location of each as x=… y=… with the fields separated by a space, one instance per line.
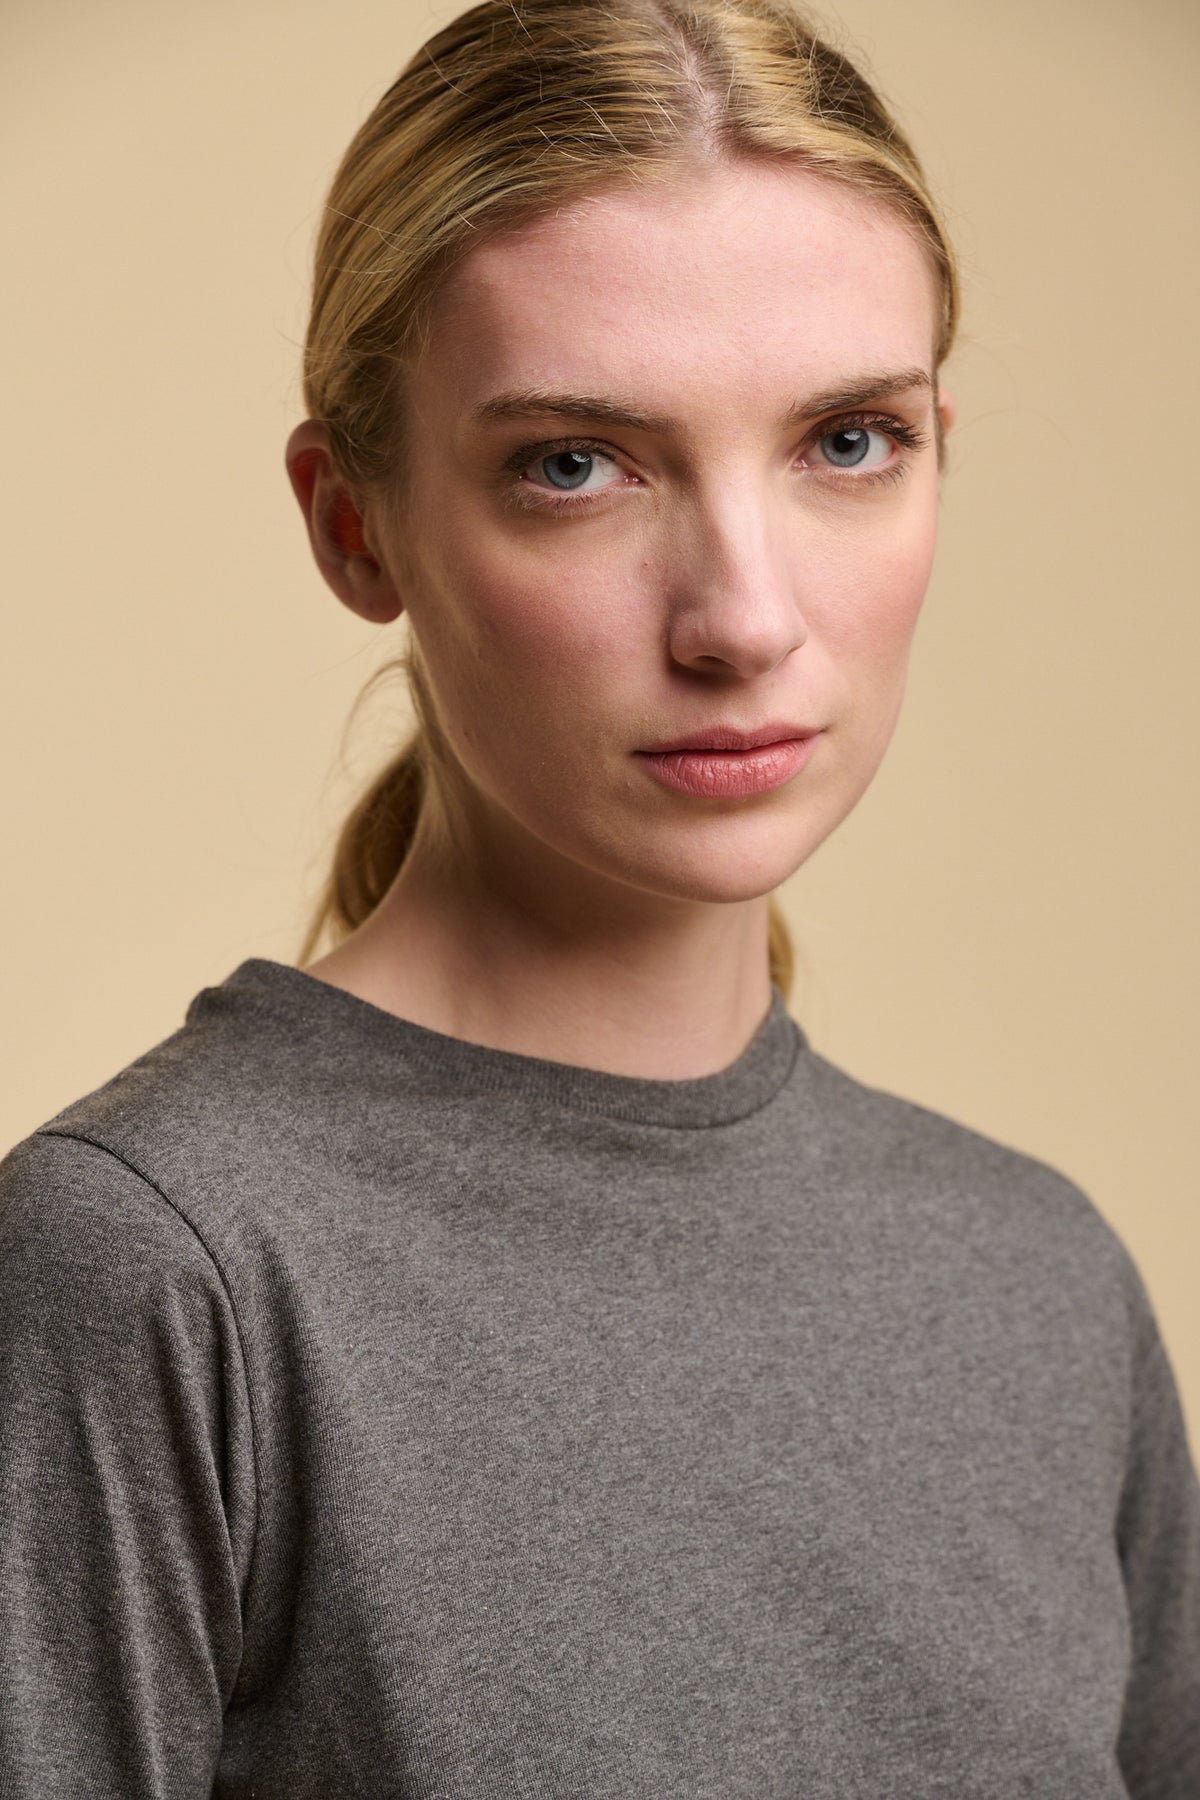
x=671 y=471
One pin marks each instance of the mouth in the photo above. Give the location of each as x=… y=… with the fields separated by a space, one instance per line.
x=731 y=738
x=724 y=763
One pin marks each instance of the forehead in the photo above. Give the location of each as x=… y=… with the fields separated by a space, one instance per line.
x=727 y=285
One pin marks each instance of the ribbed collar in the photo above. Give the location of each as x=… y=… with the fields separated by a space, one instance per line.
x=346 y=1029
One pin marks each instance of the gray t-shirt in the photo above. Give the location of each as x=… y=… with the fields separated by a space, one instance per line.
x=382 y=1415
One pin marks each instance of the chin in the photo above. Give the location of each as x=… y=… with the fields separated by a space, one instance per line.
x=725 y=868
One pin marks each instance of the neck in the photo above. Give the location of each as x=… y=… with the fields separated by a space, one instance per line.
x=629 y=983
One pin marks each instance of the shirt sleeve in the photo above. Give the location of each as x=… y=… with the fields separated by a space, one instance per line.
x=1158 y=1537
x=126 y=1484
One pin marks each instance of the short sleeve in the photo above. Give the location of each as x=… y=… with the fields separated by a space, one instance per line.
x=126 y=1484
x=1158 y=1536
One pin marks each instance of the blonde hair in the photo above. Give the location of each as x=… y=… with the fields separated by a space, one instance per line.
x=511 y=110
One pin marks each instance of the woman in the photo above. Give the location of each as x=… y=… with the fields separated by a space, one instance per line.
x=500 y=1357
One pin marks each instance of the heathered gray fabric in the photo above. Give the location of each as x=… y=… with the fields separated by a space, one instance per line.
x=381 y=1415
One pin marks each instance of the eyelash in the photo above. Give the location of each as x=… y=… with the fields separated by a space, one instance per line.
x=908 y=439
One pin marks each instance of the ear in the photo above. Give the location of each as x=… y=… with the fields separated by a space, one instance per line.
x=947 y=410
x=340 y=535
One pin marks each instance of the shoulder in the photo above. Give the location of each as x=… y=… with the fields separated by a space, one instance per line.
x=873 y=1130
x=249 y=1135
x=118 y=1331
x=84 y=1232
x=105 y=1201
x=986 y=1208
x=176 y=1129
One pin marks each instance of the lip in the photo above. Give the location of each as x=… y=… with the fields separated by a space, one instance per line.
x=710 y=772
x=729 y=737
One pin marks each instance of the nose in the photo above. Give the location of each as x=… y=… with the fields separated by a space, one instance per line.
x=735 y=604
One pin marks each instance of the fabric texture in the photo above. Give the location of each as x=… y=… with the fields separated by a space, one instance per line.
x=382 y=1415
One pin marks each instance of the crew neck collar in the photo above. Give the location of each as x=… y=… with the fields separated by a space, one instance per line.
x=349 y=1028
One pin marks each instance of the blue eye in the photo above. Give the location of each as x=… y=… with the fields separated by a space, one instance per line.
x=576 y=469
x=850 y=446
x=567 y=468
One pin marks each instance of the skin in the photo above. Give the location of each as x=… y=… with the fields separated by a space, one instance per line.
x=561 y=903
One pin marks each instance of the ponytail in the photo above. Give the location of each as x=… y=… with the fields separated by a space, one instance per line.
x=781 y=958
x=371 y=846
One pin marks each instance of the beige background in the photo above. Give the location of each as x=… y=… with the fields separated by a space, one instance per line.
x=1005 y=930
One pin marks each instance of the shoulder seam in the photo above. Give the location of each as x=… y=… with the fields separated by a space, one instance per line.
x=81 y=1137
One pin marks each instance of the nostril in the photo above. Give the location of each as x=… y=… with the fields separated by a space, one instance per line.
x=734 y=638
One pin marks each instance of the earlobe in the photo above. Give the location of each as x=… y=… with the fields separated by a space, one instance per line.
x=337 y=530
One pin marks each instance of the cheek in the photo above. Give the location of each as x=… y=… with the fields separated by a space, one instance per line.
x=867 y=608
x=512 y=636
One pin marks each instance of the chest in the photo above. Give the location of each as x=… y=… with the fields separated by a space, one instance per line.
x=694 y=1512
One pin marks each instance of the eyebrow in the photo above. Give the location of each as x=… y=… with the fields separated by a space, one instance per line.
x=606 y=410
x=860 y=392
x=594 y=407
